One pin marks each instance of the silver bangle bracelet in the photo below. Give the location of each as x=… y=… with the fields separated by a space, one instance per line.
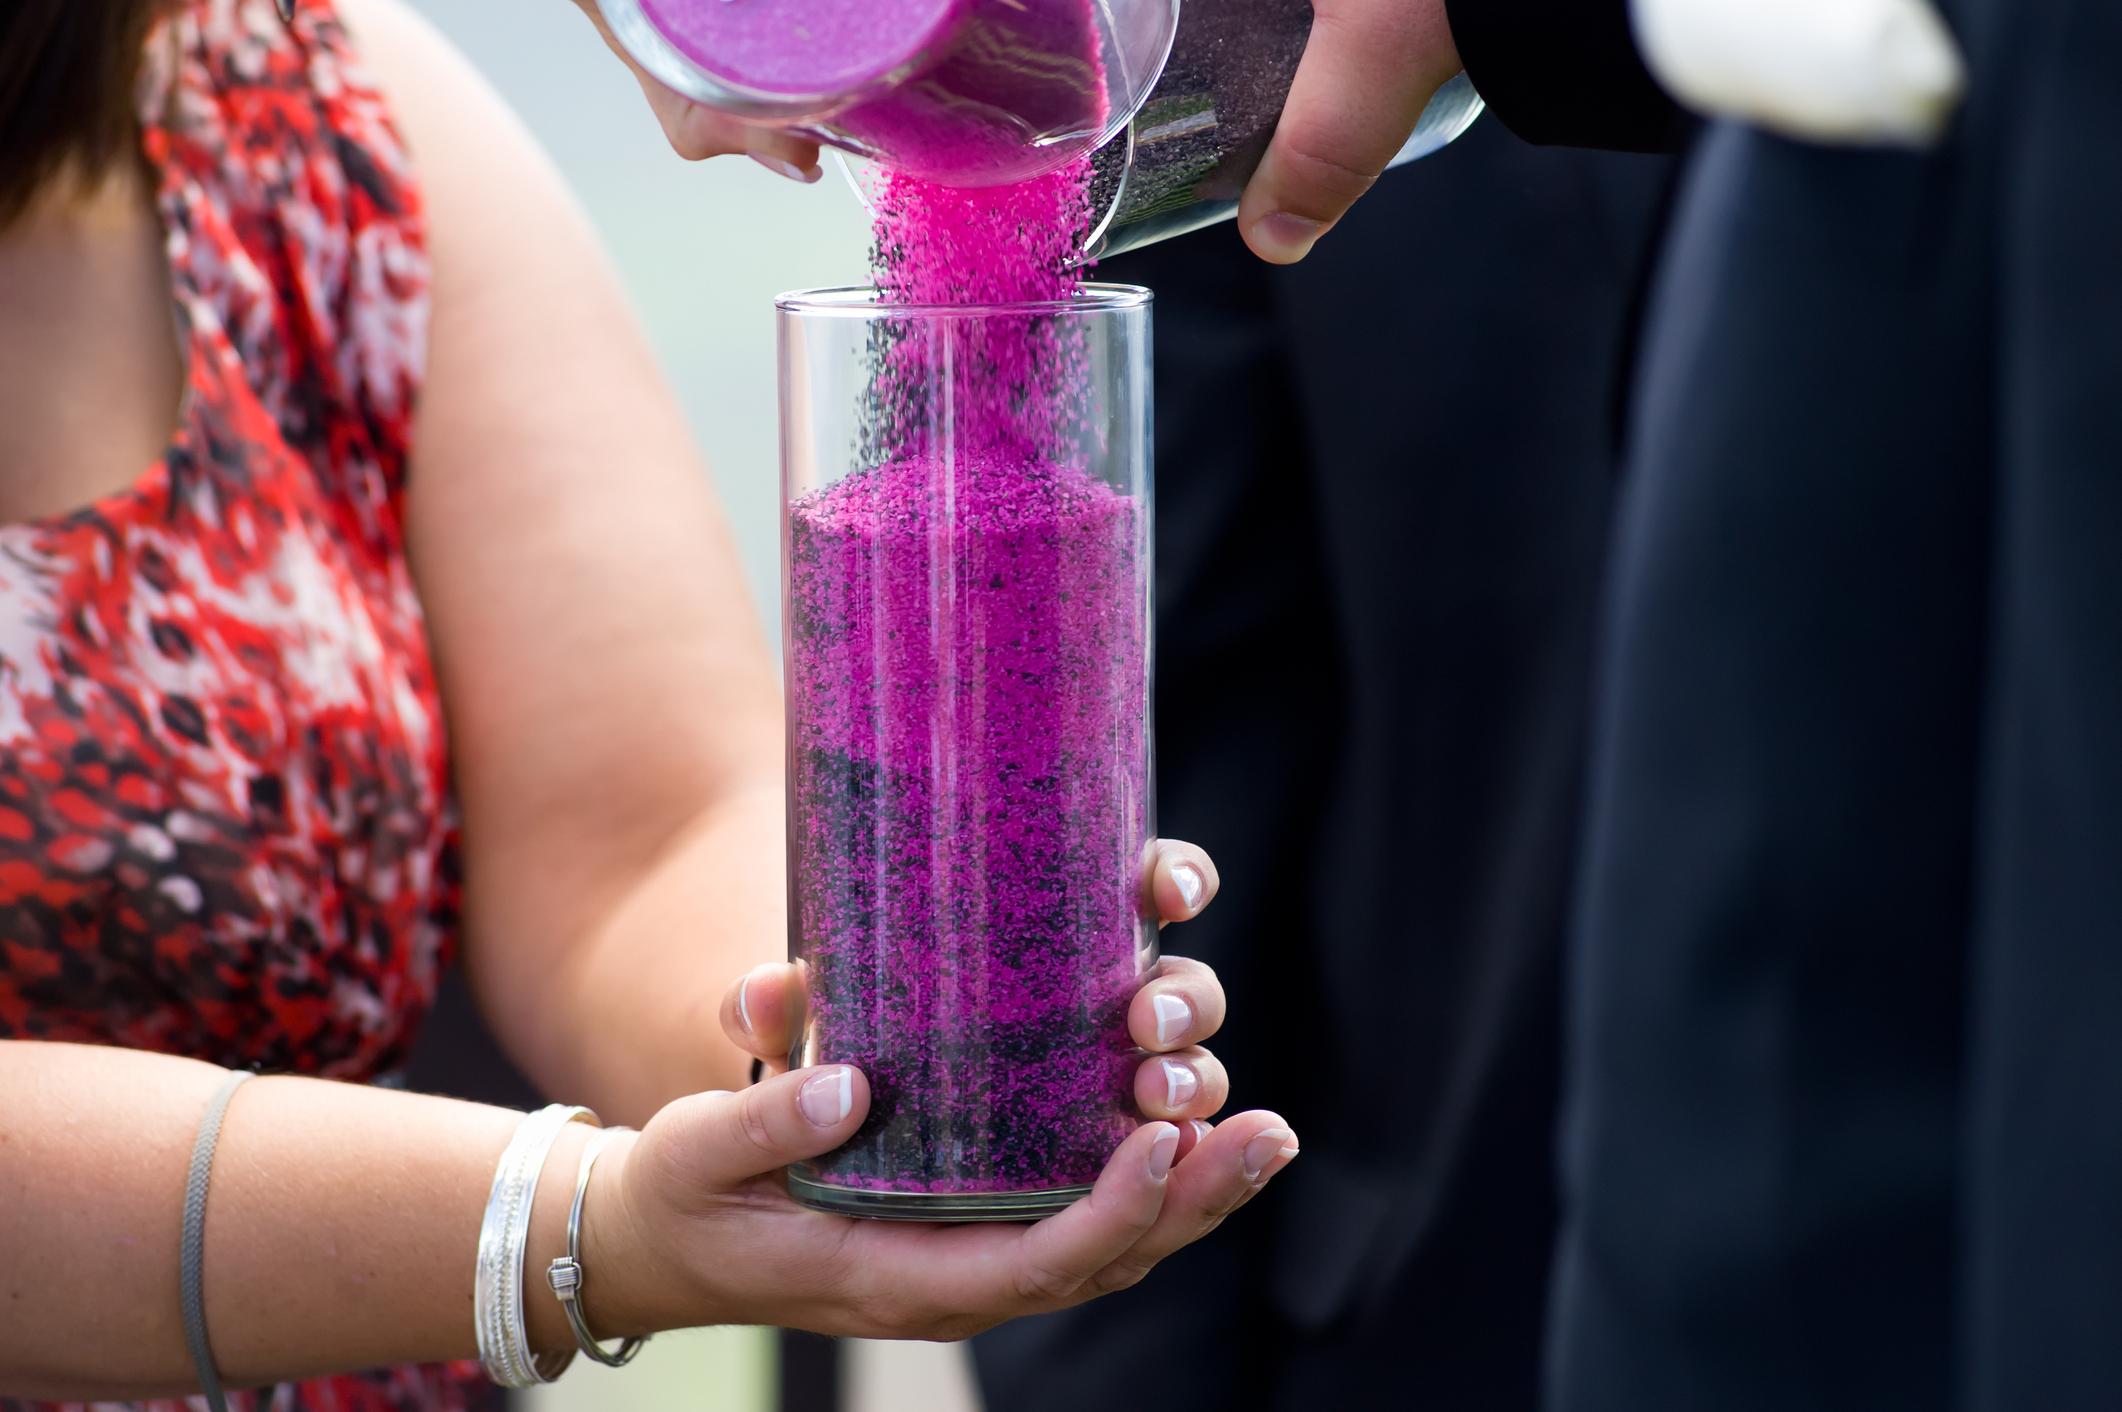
x=497 y=1302
x=567 y=1277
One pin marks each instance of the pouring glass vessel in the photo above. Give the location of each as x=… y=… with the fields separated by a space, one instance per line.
x=1176 y=103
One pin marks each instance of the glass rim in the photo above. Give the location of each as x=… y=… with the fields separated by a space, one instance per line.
x=856 y=301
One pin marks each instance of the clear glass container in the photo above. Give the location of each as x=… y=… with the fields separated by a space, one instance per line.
x=1177 y=103
x=1184 y=161
x=966 y=609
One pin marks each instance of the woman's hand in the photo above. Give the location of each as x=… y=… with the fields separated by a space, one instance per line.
x=1176 y=1009
x=696 y=1226
x=697 y=132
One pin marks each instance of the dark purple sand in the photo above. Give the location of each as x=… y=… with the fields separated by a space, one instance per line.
x=967 y=705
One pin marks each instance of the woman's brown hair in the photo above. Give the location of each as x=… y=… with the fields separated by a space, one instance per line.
x=67 y=70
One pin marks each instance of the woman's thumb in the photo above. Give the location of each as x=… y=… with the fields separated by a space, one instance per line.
x=723 y=1139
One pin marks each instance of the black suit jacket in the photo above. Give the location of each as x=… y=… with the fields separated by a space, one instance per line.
x=1565 y=72
x=1847 y=963
x=1847 y=1057
x=1383 y=489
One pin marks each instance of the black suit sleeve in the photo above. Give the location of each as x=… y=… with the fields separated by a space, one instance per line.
x=1565 y=73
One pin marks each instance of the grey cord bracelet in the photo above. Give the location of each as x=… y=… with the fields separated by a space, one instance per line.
x=191 y=1255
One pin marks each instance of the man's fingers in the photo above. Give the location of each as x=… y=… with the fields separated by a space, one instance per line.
x=1369 y=70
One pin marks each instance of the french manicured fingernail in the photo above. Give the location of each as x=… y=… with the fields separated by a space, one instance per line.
x=1181 y=1083
x=1162 y=1152
x=1174 y=1018
x=828 y=1096
x=803 y=175
x=744 y=1009
x=1284 y=238
x=1265 y=1147
x=1191 y=884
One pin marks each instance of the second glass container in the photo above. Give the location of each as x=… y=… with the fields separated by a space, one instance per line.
x=1176 y=103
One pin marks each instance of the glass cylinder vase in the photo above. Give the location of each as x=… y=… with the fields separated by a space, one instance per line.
x=966 y=618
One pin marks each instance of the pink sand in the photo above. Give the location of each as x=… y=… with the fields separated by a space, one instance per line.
x=803 y=46
x=980 y=92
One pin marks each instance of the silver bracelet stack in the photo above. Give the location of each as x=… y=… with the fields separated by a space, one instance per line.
x=497 y=1300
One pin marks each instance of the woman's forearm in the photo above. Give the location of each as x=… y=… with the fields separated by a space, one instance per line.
x=342 y=1224
x=638 y=999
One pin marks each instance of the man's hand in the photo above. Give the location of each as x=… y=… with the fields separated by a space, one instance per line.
x=697 y=132
x=1370 y=69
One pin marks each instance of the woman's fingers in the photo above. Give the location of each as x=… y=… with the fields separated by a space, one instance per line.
x=1170 y=1204
x=1167 y=1185
x=697 y=132
x=1181 y=1004
x=1182 y=880
x=1189 y=1084
x=1054 y=1262
x=763 y=1009
x=785 y=156
x=1227 y=1166
x=716 y=1141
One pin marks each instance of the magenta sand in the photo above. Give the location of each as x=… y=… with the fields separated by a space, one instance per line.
x=973 y=92
x=966 y=760
x=968 y=722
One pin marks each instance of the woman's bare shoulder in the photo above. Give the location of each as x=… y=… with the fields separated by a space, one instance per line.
x=405 y=50
x=464 y=138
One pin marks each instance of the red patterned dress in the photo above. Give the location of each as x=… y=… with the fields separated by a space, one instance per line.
x=225 y=823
